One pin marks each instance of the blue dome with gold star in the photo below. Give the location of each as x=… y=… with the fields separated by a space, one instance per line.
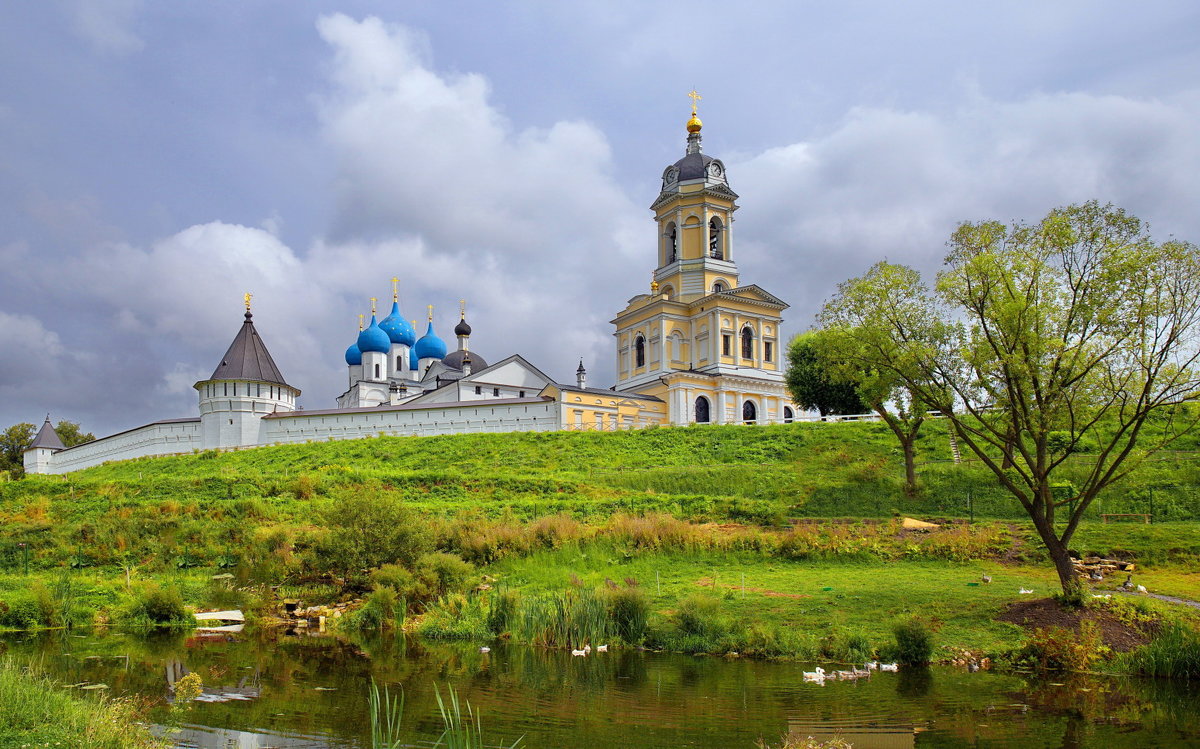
x=374 y=339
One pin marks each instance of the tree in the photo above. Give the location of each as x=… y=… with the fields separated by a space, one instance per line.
x=858 y=322
x=812 y=385
x=71 y=434
x=18 y=437
x=1079 y=324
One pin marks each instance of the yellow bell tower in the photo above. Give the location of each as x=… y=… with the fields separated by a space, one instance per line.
x=694 y=212
x=700 y=340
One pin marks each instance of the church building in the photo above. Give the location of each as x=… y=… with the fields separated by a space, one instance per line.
x=699 y=348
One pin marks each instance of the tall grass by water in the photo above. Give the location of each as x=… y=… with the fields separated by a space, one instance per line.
x=1174 y=653
x=35 y=711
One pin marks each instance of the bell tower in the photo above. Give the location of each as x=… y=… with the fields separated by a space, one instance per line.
x=694 y=212
x=702 y=341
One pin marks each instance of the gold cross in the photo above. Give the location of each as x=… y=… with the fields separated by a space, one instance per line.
x=247 y=297
x=462 y=308
x=395 y=289
x=360 y=320
x=430 y=306
x=695 y=98
x=372 y=306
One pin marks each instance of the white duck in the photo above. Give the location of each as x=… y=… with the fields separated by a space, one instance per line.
x=818 y=675
x=1024 y=591
x=601 y=648
x=871 y=665
x=893 y=667
x=579 y=652
x=485 y=649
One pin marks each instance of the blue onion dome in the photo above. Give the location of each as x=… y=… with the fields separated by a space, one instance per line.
x=430 y=346
x=374 y=339
x=354 y=355
x=397 y=328
x=413 y=362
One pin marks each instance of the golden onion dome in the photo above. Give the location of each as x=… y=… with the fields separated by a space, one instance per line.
x=694 y=124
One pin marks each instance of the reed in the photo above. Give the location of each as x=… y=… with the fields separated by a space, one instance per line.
x=386 y=715
x=461 y=732
x=1173 y=654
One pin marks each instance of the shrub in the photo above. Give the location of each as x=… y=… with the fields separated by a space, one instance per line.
x=368 y=529
x=914 y=642
x=700 y=615
x=502 y=611
x=398 y=578
x=1061 y=649
x=444 y=573
x=629 y=610
x=156 y=606
x=19 y=611
x=455 y=617
x=1173 y=654
x=379 y=611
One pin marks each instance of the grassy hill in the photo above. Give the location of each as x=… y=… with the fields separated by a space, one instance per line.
x=200 y=508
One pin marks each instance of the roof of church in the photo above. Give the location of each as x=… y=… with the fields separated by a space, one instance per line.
x=454 y=360
x=693 y=166
x=47 y=437
x=248 y=358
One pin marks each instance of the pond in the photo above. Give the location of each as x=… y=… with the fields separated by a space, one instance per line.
x=279 y=690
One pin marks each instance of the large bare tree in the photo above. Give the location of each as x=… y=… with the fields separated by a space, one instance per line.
x=1078 y=324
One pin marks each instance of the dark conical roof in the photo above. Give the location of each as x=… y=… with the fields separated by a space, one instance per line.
x=248 y=358
x=47 y=437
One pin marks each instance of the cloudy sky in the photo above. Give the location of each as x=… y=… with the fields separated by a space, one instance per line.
x=160 y=159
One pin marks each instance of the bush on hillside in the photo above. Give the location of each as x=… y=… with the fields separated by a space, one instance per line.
x=156 y=606
x=368 y=529
x=629 y=610
x=914 y=642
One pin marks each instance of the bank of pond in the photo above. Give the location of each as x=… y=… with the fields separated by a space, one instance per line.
x=276 y=689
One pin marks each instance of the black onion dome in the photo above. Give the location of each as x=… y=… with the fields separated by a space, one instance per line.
x=454 y=360
x=462 y=328
x=693 y=166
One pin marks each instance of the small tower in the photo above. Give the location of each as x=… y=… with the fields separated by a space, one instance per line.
x=429 y=348
x=37 y=456
x=354 y=357
x=244 y=387
x=401 y=334
x=581 y=376
x=459 y=359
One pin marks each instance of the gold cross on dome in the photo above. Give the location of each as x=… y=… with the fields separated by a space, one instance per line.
x=395 y=289
x=430 y=306
x=361 y=316
x=695 y=98
x=462 y=308
x=247 y=296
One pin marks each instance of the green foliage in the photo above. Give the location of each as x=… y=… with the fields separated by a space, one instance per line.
x=812 y=386
x=567 y=619
x=153 y=605
x=1062 y=649
x=387 y=713
x=914 y=641
x=381 y=610
x=1174 y=653
x=366 y=530
x=37 y=712
x=456 y=617
x=444 y=573
x=629 y=610
x=503 y=608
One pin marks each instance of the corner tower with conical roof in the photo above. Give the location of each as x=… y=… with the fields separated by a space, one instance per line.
x=701 y=340
x=245 y=387
x=47 y=442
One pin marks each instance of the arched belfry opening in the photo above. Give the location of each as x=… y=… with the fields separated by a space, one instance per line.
x=749 y=412
x=671 y=244
x=639 y=352
x=747 y=343
x=716 y=239
x=703 y=415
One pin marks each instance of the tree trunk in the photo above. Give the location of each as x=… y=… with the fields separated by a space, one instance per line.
x=910 y=465
x=1072 y=588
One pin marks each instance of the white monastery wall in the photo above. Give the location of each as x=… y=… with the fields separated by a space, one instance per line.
x=160 y=438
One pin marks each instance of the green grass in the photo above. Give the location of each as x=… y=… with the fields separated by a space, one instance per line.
x=36 y=712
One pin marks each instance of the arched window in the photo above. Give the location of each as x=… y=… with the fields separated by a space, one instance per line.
x=747 y=343
x=714 y=239
x=788 y=415
x=672 y=243
x=749 y=412
x=377 y=371
x=399 y=363
x=639 y=352
x=702 y=416
x=718 y=287
x=667 y=292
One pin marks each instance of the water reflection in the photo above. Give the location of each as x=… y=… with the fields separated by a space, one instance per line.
x=299 y=692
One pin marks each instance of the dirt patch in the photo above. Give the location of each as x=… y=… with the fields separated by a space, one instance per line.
x=707 y=582
x=1040 y=613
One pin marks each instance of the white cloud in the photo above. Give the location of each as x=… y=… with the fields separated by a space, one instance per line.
x=106 y=24
x=888 y=183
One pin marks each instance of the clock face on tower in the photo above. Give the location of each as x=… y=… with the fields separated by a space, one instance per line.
x=670 y=176
x=714 y=169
